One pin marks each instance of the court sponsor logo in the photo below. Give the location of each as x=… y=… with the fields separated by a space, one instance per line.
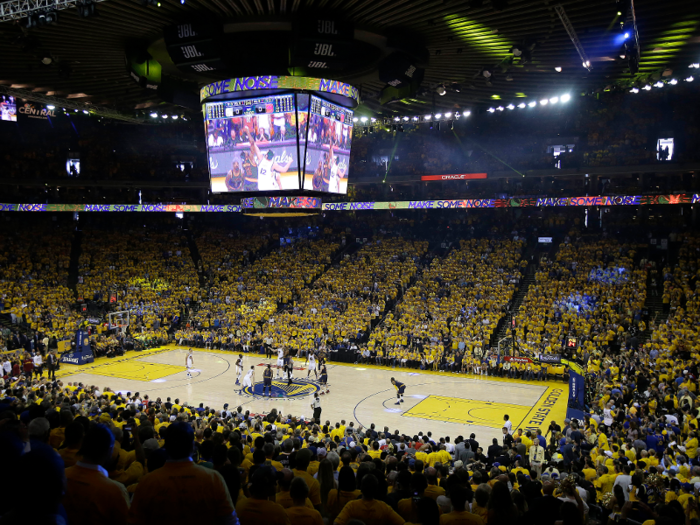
x=283 y=390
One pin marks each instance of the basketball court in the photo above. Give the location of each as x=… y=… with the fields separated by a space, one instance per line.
x=442 y=403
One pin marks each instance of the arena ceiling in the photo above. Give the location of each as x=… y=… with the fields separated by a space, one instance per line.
x=460 y=39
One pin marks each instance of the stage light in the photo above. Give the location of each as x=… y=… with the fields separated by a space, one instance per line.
x=440 y=90
x=587 y=64
x=485 y=72
x=405 y=119
x=532 y=104
x=491 y=110
x=619 y=13
x=428 y=117
x=659 y=84
x=627 y=35
x=673 y=82
x=689 y=79
x=85 y=111
x=522 y=105
x=554 y=100
x=448 y=115
x=182 y=2
x=355 y=119
x=510 y=106
x=396 y=119
x=47 y=61
x=154 y=115
x=544 y=102
x=565 y=98
x=466 y=113
x=557 y=69
x=694 y=66
x=174 y=117
x=164 y=116
x=50 y=107
x=372 y=119
x=634 y=90
x=438 y=115
x=415 y=119
x=364 y=119
x=647 y=88
x=499 y=108
x=456 y=87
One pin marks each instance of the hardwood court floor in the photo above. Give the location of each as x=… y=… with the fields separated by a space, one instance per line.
x=443 y=403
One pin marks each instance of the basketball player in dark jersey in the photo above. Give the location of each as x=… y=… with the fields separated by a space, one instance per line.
x=234 y=178
x=250 y=166
x=317 y=180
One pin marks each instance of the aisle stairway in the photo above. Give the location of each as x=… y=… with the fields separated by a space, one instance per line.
x=75 y=250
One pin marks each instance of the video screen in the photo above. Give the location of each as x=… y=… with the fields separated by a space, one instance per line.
x=8 y=109
x=252 y=144
x=329 y=138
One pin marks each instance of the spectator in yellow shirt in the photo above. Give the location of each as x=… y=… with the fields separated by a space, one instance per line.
x=259 y=508
x=299 y=513
x=91 y=497
x=368 y=510
x=180 y=491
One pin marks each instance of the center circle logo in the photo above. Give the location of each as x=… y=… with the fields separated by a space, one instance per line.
x=282 y=389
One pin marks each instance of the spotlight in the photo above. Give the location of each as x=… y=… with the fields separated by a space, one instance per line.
x=499 y=108
x=486 y=72
x=565 y=98
x=182 y=2
x=174 y=117
x=647 y=88
x=405 y=119
x=522 y=105
x=510 y=106
x=689 y=79
x=466 y=113
x=355 y=119
x=47 y=60
x=544 y=102
x=627 y=35
x=554 y=100
x=154 y=115
x=415 y=119
x=448 y=115
x=491 y=110
x=673 y=82
x=165 y=116
x=372 y=119
x=396 y=119
x=428 y=117
x=364 y=119
x=659 y=84
x=85 y=111
x=456 y=87
x=440 y=90
x=634 y=90
x=694 y=66
x=438 y=115
x=532 y=104
x=557 y=69
x=50 y=107
x=587 y=64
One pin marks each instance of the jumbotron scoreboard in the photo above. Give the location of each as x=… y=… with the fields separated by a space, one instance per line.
x=276 y=134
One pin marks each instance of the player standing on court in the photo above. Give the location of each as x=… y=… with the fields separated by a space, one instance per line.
x=400 y=389
x=280 y=361
x=239 y=368
x=267 y=381
x=288 y=368
x=324 y=380
x=312 y=366
x=189 y=363
x=249 y=379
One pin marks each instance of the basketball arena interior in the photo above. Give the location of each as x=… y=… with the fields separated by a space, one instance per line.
x=349 y=262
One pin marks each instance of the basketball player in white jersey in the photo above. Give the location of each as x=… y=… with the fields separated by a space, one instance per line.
x=189 y=363
x=239 y=368
x=269 y=171
x=312 y=366
x=280 y=362
x=335 y=173
x=249 y=379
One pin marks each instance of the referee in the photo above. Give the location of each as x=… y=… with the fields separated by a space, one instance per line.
x=400 y=389
x=316 y=405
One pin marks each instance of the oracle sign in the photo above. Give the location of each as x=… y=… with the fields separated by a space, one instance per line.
x=457 y=176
